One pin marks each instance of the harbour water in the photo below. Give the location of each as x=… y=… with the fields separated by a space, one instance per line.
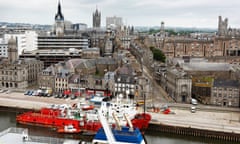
x=7 y=119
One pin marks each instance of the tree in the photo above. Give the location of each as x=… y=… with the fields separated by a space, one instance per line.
x=157 y=54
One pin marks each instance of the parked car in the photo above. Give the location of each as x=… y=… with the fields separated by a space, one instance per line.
x=194 y=101
x=30 y=93
x=73 y=96
x=27 y=92
x=193 y=109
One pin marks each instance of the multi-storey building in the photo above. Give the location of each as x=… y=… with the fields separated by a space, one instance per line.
x=225 y=45
x=201 y=88
x=18 y=73
x=90 y=53
x=76 y=73
x=26 y=40
x=179 y=85
x=49 y=57
x=3 y=48
x=54 y=42
x=225 y=93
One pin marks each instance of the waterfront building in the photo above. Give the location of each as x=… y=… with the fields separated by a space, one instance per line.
x=201 y=88
x=225 y=93
x=179 y=85
x=125 y=81
x=18 y=73
x=76 y=73
x=202 y=73
x=97 y=19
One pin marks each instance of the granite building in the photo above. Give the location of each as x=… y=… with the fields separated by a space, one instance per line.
x=18 y=73
x=225 y=93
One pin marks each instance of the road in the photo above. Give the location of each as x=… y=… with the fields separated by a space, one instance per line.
x=202 y=119
x=157 y=95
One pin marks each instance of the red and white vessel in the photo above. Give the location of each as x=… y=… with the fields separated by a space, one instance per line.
x=84 y=117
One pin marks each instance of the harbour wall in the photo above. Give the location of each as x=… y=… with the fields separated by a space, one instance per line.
x=188 y=131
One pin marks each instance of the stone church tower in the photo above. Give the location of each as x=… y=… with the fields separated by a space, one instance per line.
x=222 y=26
x=97 y=19
x=12 y=50
x=59 y=26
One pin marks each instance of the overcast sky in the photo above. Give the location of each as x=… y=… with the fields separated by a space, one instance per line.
x=176 y=13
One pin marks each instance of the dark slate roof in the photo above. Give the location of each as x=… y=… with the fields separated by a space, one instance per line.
x=63 y=73
x=106 y=60
x=73 y=63
x=74 y=78
x=86 y=63
x=125 y=69
x=226 y=83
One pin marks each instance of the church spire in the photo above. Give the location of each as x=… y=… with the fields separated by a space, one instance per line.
x=59 y=15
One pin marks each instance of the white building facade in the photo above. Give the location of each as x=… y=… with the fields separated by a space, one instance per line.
x=3 y=48
x=25 y=40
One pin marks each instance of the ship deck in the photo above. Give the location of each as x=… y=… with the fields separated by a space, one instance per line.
x=15 y=136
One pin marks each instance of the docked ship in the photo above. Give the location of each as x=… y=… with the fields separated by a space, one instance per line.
x=59 y=117
x=118 y=134
x=82 y=120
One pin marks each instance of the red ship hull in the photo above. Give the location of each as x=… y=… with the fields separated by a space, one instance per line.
x=48 y=117
x=51 y=118
x=141 y=121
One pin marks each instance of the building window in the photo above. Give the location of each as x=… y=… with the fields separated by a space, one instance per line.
x=219 y=95
x=215 y=94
